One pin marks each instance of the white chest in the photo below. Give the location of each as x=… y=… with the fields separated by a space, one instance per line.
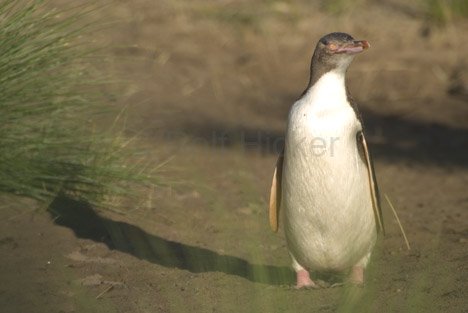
x=326 y=197
x=323 y=121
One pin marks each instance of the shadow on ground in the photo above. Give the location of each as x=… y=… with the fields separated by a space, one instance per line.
x=127 y=238
x=392 y=137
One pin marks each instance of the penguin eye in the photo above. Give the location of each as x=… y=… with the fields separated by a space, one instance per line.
x=325 y=42
x=332 y=46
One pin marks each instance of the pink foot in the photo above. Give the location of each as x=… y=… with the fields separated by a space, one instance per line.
x=303 y=280
x=357 y=275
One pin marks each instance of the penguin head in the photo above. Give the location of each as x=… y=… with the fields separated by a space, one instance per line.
x=335 y=51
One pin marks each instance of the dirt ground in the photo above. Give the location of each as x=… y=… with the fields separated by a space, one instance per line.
x=208 y=85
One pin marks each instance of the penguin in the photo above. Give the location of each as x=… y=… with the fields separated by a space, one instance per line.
x=324 y=180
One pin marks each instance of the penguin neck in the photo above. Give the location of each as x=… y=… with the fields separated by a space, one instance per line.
x=328 y=90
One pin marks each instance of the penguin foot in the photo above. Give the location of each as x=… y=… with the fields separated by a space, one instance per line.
x=303 y=281
x=357 y=276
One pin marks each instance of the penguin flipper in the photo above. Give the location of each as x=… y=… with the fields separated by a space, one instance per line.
x=374 y=189
x=275 y=193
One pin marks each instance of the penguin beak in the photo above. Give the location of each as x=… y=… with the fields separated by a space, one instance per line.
x=356 y=46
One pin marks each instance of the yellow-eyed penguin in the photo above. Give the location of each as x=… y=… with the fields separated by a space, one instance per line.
x=324 y=180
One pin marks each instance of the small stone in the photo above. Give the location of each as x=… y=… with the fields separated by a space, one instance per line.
x=92 y=280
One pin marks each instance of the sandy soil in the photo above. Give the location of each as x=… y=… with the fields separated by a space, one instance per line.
x=209 y=84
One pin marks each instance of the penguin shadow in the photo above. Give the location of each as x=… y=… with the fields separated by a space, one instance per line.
x=87 y=224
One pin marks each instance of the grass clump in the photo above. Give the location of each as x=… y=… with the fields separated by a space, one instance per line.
x=48 y=96
x=444 y=11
